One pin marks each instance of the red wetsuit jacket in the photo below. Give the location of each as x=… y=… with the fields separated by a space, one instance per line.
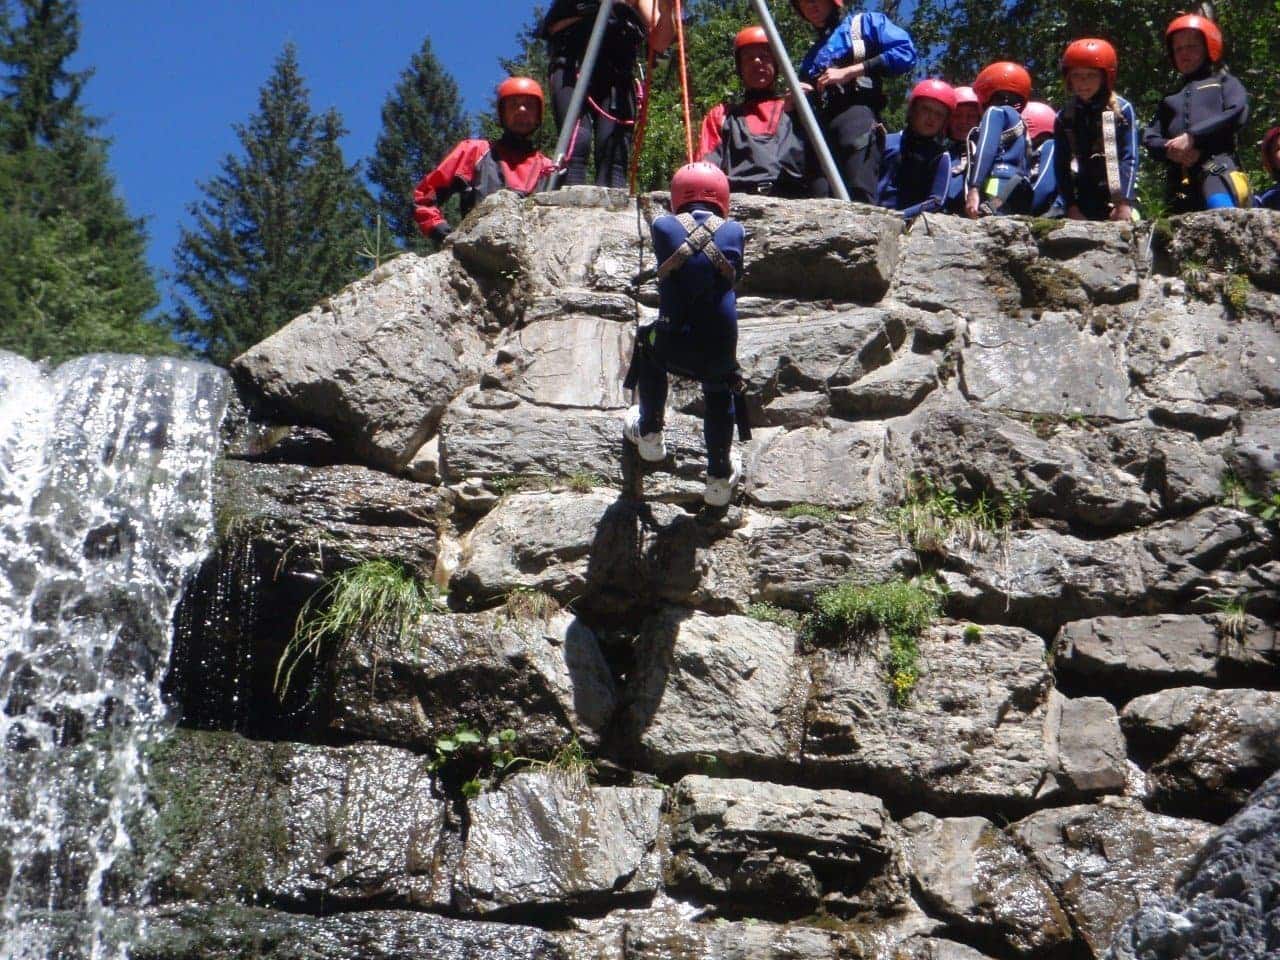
x=477 y=168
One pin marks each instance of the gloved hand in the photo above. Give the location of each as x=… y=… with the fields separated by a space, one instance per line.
x=439 y=232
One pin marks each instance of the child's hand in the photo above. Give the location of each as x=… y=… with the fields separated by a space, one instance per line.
x=836 y=76
x=1122 y=212
x=972 y=201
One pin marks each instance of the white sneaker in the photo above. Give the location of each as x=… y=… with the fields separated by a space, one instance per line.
x=652 y=446
x=720 y=489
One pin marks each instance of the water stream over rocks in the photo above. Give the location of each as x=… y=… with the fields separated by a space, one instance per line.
x=106 y=466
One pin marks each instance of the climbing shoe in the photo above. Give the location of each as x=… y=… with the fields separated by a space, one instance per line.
x=720 y=489
x=652 y=447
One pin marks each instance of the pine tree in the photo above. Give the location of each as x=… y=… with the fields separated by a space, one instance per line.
x=279 y=228
x=73 y=273
x=422 y=120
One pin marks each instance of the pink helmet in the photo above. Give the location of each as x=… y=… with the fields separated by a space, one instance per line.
x=700 y=183
x=966 y=95
x=936 y=90
x=1039 y=118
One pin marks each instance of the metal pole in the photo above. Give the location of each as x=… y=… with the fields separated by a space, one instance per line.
x=585 y=70
x=801 y=102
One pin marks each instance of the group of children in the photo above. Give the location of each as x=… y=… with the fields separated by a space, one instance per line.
x=982 y=150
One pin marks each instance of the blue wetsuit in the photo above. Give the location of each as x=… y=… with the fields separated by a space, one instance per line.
x=696 y=335
x=1078 y=135
x=1000 y=169
x=915 y=174
x=958 y=150
x=848 y=114
x=1270 y=199
x=1044 y=182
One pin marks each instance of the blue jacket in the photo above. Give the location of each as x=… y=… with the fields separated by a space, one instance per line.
x=1268 y=198
x=887 y=48
x=1044 y=180
x=990 y=157
x=915 y=173
x=958 y=150
x=1081 y=122
x=697 y=287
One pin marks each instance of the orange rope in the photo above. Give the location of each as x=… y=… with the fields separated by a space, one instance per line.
x=637 y=145
x=684 y=84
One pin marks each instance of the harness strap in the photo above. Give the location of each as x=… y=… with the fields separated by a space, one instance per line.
x=1111 y=155
x=859 y=46
x=700 y=239
x=1012 y=134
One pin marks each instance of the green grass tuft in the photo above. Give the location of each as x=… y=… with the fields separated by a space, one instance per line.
x=1236 y=291
x=817 y=511
x=377 y=598
x=767 y=612
x=933 y=514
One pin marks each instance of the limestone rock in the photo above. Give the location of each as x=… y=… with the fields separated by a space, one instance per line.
x=595 y=550
x=981 y=729
x=1102 y=257
x=1246 y=239
x=720 y=690
x=540 y=675
x=1047 y=366
x=979 y=452
x=891 y=390
x=1105 y=860
x=542 y=840
x=1210 y=748
x=779 y=851
x=798 y=247
x=233 y=932
x=351 y=826
x=569 y=361
x=1255 y=451
x=841 y=465
x=950 y=263
x=375 y=365
x=1227 y=905
x=1135 y=654
x=973 y=876
x=1043 y=579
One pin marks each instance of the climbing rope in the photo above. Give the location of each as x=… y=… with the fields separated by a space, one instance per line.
x=684 y=84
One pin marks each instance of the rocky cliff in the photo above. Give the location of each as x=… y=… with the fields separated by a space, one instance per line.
x=982 y=655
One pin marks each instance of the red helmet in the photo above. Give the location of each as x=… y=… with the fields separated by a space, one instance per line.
x=700 y=183
x=521 y=87
x=1201 y=25
x=1268 y=147
x=1002 y=77
x=750 y=37
x=937 y=90
x=966 y=95
x=1093 y=53
x=1039 y=118
x=796 y=4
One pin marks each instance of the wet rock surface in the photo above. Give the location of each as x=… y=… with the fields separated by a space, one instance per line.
x=1089 y=435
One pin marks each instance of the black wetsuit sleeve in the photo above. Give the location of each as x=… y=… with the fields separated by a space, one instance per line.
x=1234 y=115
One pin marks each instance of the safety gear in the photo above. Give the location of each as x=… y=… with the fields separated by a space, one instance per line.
x=756 y=144
x=750 y=37
x=1094 y=54
x=700 y=183
x=937 y=90
x=1201 y=25
x=1269 y=148
x=966 y=95
x=1039 y=118
x=719 y=490
x=652 y=447
x=473 y=170
x=700 y=239
x=521 y=87
x=1002 y=77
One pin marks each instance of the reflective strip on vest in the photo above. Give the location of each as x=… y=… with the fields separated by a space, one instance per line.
x=859 y=46
x=1111 y=154
x=700 y=239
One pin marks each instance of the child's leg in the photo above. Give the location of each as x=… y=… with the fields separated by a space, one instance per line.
x=856 y=149
x=651 y=384
x=717 y=428
x=562 y=81
x=613 y=138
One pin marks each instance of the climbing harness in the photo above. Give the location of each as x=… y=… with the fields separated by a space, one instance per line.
x=700 y=239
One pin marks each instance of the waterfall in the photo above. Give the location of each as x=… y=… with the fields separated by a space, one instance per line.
x=106 y=468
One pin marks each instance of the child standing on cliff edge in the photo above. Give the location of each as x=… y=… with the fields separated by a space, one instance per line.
x=699 y=254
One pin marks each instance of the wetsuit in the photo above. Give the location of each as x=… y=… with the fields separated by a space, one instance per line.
x=915 y=174
x=1000 y=170
x=1270 y=199
x=1045 y=201
x=1212 y=106
x=1078 y=135
x=958 y=150
x=849 y=115
x=755 y=143
x=608 y=114
x=477 y=168
x=696 y=334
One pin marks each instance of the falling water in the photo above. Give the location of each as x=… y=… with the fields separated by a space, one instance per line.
x=106 y=468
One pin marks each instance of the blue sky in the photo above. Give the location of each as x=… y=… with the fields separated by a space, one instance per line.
x=172 y=76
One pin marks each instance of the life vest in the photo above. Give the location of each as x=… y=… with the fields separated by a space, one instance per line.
x=753 y=162
x=489 y=178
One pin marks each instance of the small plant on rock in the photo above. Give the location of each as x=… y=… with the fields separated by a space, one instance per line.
x=1263 y=504
x=583 y=481
x=767 y=612
x=1236 y=290
x=903 y=609
x=380 y=599
x=933 y=514
x=526 y=603
x=488 y=758
x=1233 y=620
x=972 y=633
x=815 y=510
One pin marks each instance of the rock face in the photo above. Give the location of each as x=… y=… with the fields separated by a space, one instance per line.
x=617 y=736
x=1227 y=904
